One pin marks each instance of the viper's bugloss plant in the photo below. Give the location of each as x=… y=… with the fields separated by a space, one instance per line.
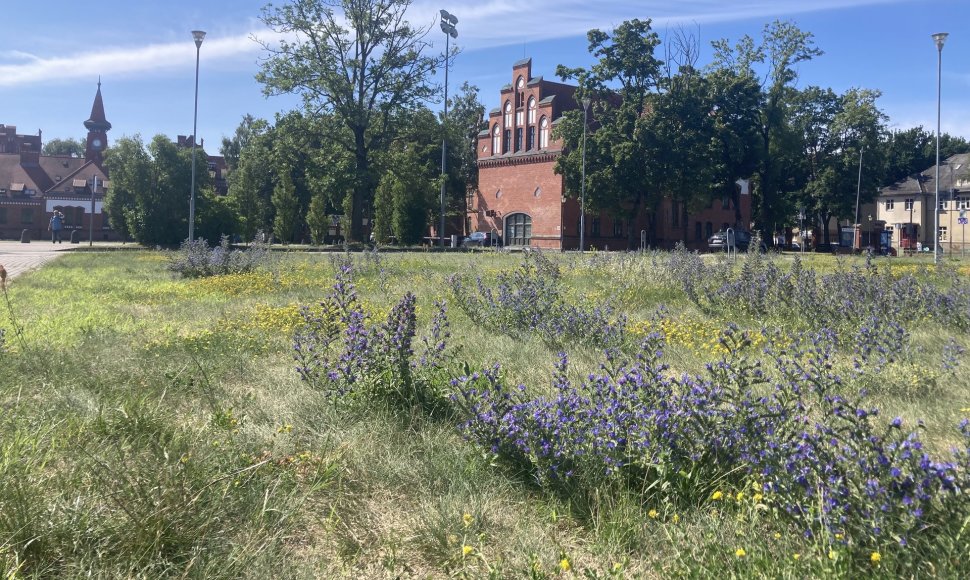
x=821 y=460
x=342 y=353
x=196 y=259
x=529 y=299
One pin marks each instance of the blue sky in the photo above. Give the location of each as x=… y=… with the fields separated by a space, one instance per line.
x=53 y=52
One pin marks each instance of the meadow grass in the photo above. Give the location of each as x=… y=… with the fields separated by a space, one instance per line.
x=154 y=426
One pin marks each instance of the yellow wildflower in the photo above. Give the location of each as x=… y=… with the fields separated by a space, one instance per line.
x=653 y=514
x=777 y=535
x=740 y=553
x=758 y=497
x=468 y=519
x=675 y=519
x=796 y=556
x=466 y=550
x=564 y=565
x=875 y=557
x=717 y=495
x=739 y=496
x=833 y=554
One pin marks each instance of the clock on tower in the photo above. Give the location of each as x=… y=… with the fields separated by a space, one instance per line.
x=97 y=126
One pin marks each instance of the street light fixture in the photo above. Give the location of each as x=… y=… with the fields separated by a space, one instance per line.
x=939 y=38
x=448 y=23
x=198 y=36
x=582 y=186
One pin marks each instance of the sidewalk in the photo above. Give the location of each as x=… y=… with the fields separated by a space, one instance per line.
x=18 y=258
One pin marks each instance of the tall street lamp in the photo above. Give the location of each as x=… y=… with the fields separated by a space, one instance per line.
x=448 y=23
x=939 y=38
x=582 y=185
x=198 y=35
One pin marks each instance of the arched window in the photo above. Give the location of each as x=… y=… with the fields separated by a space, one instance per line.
x=532 y=110
x=543 y=133
x=518 y=230
x=508 y=114
x=496 y=138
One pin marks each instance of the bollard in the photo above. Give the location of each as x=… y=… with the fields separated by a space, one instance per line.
x=25 y=237
x=74 y=237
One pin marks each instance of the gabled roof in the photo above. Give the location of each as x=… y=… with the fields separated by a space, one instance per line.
x=924 y=182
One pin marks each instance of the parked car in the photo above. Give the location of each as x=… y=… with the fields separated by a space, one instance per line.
x=481 y=240
x=742 y=240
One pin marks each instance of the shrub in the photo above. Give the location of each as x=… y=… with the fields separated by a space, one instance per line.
x=196 y=259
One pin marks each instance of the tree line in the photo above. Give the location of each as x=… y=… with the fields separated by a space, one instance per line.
x=366 y=146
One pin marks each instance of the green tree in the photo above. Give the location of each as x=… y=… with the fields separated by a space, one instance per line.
x=231 y=149
x=70 y=147
x=466 y=120
x=620 y=176
x=287 y=206
x=251 y=184
x=129 y=165
x=359 y=60
x=783 y=45
x=151 y=193
x=318 y=222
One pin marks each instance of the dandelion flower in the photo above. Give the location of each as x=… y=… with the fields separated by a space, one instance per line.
x=777 y=535
x=653 y=514
x=466 y=550
x=717 y=495
x=875 y=557
x=740 y=496
x=758 y=497
x=564 y=565
x=740 y=553
x=676 y=518
x=468 y=519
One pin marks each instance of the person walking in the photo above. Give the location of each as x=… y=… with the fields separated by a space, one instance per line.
x=55 y=227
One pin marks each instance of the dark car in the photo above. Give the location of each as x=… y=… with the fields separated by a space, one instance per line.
x=742 y=240
x=481 y=240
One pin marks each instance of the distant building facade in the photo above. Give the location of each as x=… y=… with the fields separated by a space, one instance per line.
x=33 y=186
x=907 y=207
x=521 y=197
x=214 y=164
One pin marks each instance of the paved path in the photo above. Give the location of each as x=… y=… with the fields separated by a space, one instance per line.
x=18 y=258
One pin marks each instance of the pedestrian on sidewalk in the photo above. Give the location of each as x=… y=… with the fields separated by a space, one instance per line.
x=55 y=227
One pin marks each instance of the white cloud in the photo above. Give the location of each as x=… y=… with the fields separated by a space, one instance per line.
x=117 y=61
x=498 y=22
x=484 y=24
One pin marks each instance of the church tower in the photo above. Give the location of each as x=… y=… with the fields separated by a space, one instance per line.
x=97 y=127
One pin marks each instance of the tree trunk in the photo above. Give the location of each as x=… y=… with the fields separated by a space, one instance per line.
x=361 y=183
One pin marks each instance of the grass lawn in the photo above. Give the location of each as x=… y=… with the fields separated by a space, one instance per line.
x=157 y=426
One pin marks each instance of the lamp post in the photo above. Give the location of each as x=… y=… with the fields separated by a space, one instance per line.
x=94 y=190
x=939 y=38
x=801 y=230
x=198 y=35
x=448 y=23
x=582 y=185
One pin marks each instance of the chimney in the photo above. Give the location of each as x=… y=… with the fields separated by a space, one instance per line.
x=29 y=157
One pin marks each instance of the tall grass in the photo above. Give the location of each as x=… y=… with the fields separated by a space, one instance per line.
x=156 y=426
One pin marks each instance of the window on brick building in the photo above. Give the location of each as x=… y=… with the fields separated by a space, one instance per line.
x=698 y=231
x=596 y=228
x=518 y=139
x=617 y=228
x=532 y=110
x=3 y=215
x=507 y=141
x=518 y=230
x=537 y=192
x=508 y=114
x=530 y=138
x=496 y=137
x=543 y=133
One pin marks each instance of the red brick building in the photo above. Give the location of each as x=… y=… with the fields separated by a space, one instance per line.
x=522 y=198
x=33 y=186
